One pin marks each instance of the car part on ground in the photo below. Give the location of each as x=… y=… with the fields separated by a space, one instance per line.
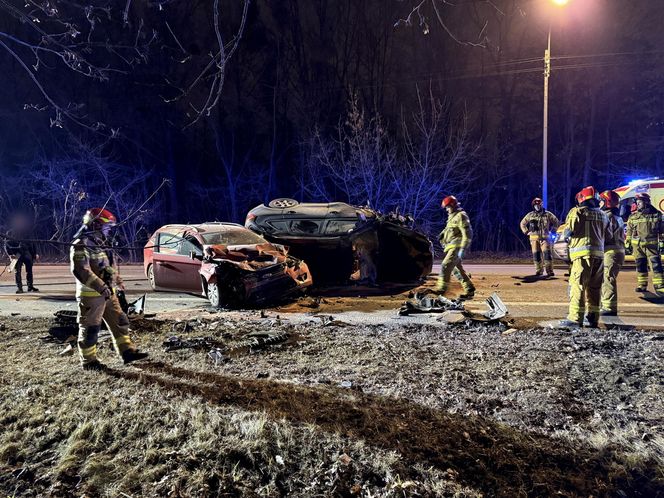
x=337 y=240
x=249 y=276
x=429 y=302
x=497 y=309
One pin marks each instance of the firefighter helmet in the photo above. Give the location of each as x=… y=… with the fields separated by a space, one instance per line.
x=96 y=218
x=536 y=200
x=611 y=199
x=586 y=194
x=642 y=196
x=450 y=200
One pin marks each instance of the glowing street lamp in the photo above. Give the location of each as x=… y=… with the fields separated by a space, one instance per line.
x=545 y=139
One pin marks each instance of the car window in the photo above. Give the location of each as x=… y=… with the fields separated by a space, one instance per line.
x=168 y=243
x=189 y=245
x=339 y=227
x=307 y=227
x=280 y=226
x=234 y=237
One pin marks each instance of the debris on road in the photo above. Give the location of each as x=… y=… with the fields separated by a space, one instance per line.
x=497 y=308
x=428 y=302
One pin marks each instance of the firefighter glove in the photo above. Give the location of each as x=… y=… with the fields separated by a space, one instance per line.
x=106 y=292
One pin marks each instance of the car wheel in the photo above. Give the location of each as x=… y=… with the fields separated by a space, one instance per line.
x=213 y=295
x=282 y=203
x=151 y=281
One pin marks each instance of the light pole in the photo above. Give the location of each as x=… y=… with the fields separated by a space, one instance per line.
x=545 y=131
x=545 y=128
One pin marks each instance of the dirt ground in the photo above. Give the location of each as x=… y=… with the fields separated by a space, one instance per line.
x=326 y=408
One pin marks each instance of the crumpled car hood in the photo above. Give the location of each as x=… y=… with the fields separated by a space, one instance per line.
x=248 y=257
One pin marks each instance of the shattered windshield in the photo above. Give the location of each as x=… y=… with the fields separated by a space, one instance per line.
x=232 y=238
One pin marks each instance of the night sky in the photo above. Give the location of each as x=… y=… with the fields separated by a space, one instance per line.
x=364 y=101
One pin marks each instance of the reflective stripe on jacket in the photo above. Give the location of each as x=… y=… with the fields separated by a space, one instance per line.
x=457 y=232
x=546 y=223
x=88 y=263
x=645 y=226
x=589 y=228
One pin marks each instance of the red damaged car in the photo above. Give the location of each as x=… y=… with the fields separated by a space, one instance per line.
x=227 y=263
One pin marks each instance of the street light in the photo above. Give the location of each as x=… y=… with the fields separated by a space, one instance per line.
x=545 y=131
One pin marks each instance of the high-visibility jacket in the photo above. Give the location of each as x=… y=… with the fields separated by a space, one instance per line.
x=587 y=228
x=458 y=232
x=645 y=226
x=92 y=268
x=545 y=222
x=615 y=240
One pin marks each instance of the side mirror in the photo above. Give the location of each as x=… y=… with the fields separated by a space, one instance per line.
x=195 y=255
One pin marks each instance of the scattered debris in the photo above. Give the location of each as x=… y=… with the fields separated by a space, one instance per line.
x=217 y=356
x=428 y=302
x=497 y=308
x=174 y=343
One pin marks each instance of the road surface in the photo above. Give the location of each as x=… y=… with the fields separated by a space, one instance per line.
x=539 y=301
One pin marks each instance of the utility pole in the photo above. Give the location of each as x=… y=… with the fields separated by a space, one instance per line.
x=545 y=134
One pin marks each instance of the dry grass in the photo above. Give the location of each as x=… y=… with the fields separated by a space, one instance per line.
x=431 y=412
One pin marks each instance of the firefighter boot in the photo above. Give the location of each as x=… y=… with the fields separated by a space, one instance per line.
x=566 y=323
x=133 y=355
x=95 y=366
x=592 y=320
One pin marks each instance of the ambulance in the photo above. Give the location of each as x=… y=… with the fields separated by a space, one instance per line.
x=651 y=186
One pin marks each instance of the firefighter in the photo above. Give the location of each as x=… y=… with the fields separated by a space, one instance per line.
x=96 y=281
x=22 y=252
x=455 y=239
x=645 y=228
x=587 y=229
x=614 y=252
x=538 y=225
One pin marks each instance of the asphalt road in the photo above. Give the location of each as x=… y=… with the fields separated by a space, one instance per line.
x=540 y=300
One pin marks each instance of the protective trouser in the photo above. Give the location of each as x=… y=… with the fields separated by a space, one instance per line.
x=91 y=311
x=647 y=254
x=452 y=265
x=27 y=261
x=585 y=286
x=541 y=249
x=613 y=262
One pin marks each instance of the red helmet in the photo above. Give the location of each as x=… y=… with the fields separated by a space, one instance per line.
x=536 y=200
x=585 y=194
x=611 y=199
x=450 y=200
x=98 y=217
x=642 y=196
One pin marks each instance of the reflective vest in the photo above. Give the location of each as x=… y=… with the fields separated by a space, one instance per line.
x=589 y=228
x=645 y=227
x=457 y=232
x=545 y=221
x=90 y=265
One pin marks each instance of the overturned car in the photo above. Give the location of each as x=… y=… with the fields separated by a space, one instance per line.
x=230 y=265
x=341 y=242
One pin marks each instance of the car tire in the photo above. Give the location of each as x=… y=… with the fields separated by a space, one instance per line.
x=151 y=281
x=213 y=295
x=283 y=203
